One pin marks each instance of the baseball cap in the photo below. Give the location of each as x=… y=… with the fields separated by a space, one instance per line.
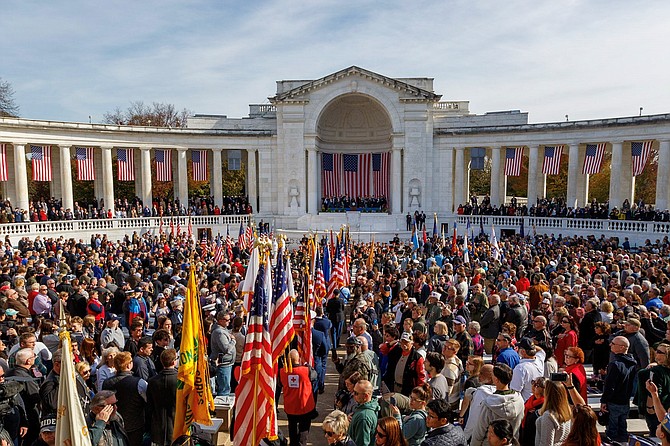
x=435 y=294
x=460 y=320
x=405 y=336
x=353 y=340
x=48 y=423
x=634 y=321
x=526 y=344
x=11 y=312
x=411 y=300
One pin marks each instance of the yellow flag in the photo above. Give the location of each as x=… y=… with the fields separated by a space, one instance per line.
x=70 y=422
x=194 y=396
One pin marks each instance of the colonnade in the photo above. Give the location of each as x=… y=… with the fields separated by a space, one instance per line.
x=622 y=182
x=16 y=189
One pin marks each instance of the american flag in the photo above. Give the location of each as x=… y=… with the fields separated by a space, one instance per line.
x=302 y=323
x=179 y=226
x=218 y=251
x=326 y=263
x=356 y=169
x=337 y=275
x=41 y=162
x=229 y=244
x=593 y=158
x=241 y=239
x=249 y=235
x=552 y=160
x=190 y=228
x=126 y=163
x=3 y=163
x=160 y=226
x=163 y=164
x=256 y=416
x=172 y=228
x=281 y=316
x=85 y=169
x=319 y=281
x=199 y=165
x=330 y=174
x=640 y=152
x=380 y=173
x=513 y=157
x=347 y=258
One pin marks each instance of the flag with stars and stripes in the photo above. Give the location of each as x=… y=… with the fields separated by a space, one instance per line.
x=552 y=160
x=41 y=162
x=593 y=158
x=640 y=151
x=85 y=168
x=513 y=158
x=125 y=160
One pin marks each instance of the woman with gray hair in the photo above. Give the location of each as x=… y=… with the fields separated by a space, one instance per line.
x=335 y=427
x=106 y=370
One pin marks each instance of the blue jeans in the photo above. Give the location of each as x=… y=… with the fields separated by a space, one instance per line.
x=223 y=380
x=336 y=331
x=617 y=429
x=320 y=367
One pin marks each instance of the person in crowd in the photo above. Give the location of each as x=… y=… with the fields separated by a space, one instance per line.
x=490 y=323
x=388 y=433
x=619 y=381
x=30 y=394
x=407 y=368
x=143 y=365
x=434 y=365
x=222 y=353
x=441 y=431
x=364 y=419
x=356 y=362
x=335 y=427
x=320 y=347
x=584 y=430
x=639 y=347
x=106 y=368
x=659 y=375
x=553 y=425
x=335 y=310
x=587 y=333
x=567 y=339
x=49 y=388
x=574 y=366
x=112 y=333
x=530 y=367
x=473 y=369
x=105 y=424
x=344 y=399
x=439 y=337
x=506 y=353
x=532 y=407
x=452 y=371
x=501 y=433
x=162 y=399
x=414 y=423
x=601 y=348
x=299 y=402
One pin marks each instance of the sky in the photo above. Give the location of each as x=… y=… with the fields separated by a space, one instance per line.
x=588 y=59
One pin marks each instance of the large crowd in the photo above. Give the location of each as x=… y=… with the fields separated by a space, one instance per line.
x=438 y=350
x=53 y=209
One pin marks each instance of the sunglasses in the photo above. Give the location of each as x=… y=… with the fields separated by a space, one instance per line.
x=329 y=433
x=381 y=434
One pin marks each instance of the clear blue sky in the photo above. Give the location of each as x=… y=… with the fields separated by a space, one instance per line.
x=589 y=59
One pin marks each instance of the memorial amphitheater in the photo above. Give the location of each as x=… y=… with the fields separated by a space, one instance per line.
x=351 y=133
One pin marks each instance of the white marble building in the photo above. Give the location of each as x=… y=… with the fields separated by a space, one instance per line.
x=350 y=111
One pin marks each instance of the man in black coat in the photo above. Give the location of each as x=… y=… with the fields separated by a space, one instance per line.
x=25 y=370
x=161 y=399
x=335 y=311
x=587 y=328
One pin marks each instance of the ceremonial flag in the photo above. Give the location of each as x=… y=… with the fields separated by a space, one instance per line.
x=337 y=275
x=194 y=396
x=640 y=152
x=415 y=238
x=380 y=173
x=3 y=163
x=454 y=243
x=593 y=158
x=70 y=420
x=552 y=160
x=199 y=165
x=163 y=164
x=371 y=256
x=249 y=284
x=125 y=160
x=356 y=174
x=241 y=239
x=85 y=168
x=326 y=263
x=302 y=323
x=424 y=236
x=256 y=416
x=435 y=234
x=218 y=251
x=172 y=228
x=466 y=251
x=179 y=226
x=320 y=290
x=513 y=158
x=521 y=231
x=41 y=162
x=190 y=228
x=229 y=244
x=160 y=226
x=347 y=259
x=249 y=236
x=495 y=248
x=330 y=174
x=281 y=312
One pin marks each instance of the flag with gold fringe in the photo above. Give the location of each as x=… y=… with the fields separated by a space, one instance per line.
x=194 y=396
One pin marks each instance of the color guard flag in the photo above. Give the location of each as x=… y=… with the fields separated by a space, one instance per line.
x=513 y=157
x=248 y=286
x=125 y=160
x=41 y=162
x=552 y=160
x=85 y=168
x=593 y=158
x=3 y=162
x=495 y=248
x=640 y=153
x=281 y=312
x=199 y=165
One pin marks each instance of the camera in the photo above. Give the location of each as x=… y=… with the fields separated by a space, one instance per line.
x=559 y=377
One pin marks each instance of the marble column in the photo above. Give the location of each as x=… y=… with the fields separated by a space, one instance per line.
x=533 y=157
x=145 y=177
x=181 y=186
x=498 y=178
x=663 y=175
x=312 y=193
x=396 y=180
x=107 y=178
x=216 y=183
x=66 y=177
x=615 y=196
x=21 y=177
x=459 y=177
x=252 y=179
x=573 y=175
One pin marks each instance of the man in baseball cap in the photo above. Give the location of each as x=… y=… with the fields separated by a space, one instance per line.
x=47 y=431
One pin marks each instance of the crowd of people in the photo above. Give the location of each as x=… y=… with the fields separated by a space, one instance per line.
x=345 y=203
x=557 y=207
x=438 y=351
x=53 y=210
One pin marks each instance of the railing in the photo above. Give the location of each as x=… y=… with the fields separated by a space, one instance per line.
x=72 y=227
x=569 y=225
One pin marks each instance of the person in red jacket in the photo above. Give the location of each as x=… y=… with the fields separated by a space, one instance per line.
x=299 y=402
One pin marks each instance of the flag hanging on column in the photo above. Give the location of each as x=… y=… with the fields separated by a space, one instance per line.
x=356 y=169
x=593 y=158
x=199 y=165
x=513 y=158
x=330 y=174
x=41 y=162
x=85 y=168
x=281 y=312
x=3 y=163
x=380 y=173
x=125 y=160
x=552 y=160
x=163 y=164
x=640 y=153
x=256 y=416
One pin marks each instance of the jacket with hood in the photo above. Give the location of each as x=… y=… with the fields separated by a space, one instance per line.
x=503 y=404
x=413 y=426
x=621 y=373
x=364 y=423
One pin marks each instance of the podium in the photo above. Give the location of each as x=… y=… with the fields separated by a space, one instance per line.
x=223 y=406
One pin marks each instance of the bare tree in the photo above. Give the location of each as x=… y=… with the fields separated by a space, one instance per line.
x=8 y=106
x=156 y=115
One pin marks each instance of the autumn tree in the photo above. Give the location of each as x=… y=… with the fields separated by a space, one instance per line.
x=156 y=115
x=8 y=105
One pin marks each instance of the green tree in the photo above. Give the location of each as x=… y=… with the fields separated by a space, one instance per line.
x=8 y=105
x=480 y=180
